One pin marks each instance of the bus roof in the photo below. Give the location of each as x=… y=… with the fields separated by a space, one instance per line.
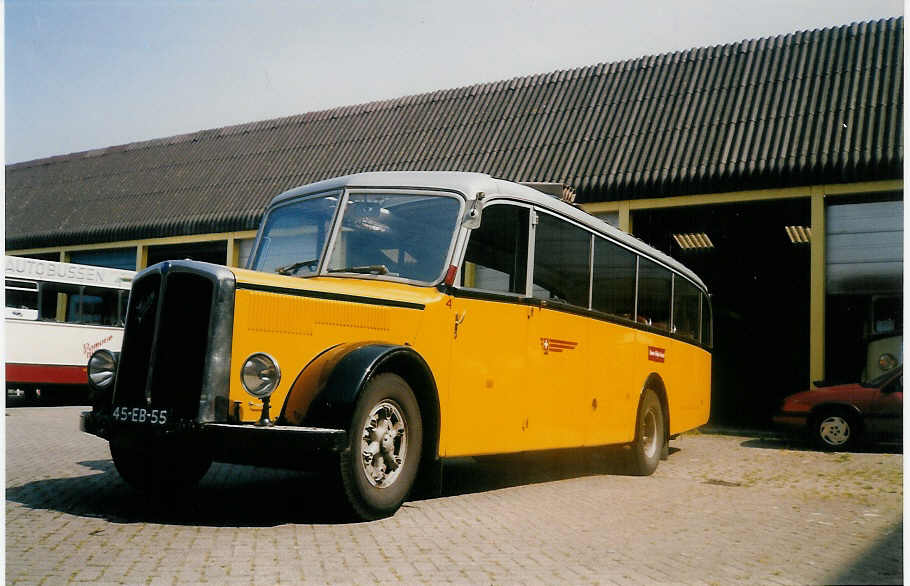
x=64 y=272
x=469 y=184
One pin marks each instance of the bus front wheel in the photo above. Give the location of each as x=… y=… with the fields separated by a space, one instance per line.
x=650 y=435
x=380 y=463
x=159 y=471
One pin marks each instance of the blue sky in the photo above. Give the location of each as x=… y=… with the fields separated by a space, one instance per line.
x=84 y=75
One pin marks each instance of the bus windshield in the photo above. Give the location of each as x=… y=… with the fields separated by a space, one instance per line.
x=397 y=235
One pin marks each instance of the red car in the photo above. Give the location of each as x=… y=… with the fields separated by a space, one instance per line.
x=837 y=417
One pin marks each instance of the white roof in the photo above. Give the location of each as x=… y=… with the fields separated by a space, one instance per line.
x=469 y=184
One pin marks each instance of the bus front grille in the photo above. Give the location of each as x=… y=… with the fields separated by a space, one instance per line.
x=166 y=353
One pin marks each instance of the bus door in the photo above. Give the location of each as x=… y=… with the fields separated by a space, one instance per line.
x=558 y=357
x=489 y=368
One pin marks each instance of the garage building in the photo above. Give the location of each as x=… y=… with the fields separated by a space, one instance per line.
x=772 y=167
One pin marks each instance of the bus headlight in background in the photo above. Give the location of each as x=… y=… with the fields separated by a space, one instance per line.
x=887 y=361
x=101 y=369
x=260 y=375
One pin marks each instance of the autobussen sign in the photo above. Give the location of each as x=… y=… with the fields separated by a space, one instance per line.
x=47 y=270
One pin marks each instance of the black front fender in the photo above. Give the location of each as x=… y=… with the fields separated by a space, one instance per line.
x=326 y=390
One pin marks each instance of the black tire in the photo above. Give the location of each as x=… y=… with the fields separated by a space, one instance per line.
x=375 y=481
x=159 y=471
x=834 y=430
x=650 y=435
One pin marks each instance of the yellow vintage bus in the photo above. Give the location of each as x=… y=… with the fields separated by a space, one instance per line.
x=388 y=321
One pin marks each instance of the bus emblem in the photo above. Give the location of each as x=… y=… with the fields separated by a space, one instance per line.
x=656 y=354
x=553 y=345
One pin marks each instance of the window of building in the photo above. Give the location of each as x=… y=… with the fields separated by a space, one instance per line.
x=213 y=252
x=654 y=286
x=864 y=258
x=497 y=254
x=614 y=279
x=118 y=258
x=561 y=257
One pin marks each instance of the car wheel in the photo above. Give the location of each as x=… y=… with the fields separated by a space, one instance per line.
x=380 y=464
x=650 y=435
x=159 y=470
x=834 y=430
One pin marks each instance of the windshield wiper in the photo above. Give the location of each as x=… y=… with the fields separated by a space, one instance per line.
x=292 y=268
x=366 y=269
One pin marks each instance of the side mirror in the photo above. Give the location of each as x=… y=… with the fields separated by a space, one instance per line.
x=472 y=217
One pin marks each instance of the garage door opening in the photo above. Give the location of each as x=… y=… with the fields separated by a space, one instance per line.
x=754 y=259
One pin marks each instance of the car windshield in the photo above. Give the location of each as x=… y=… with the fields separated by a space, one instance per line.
x=398 y=235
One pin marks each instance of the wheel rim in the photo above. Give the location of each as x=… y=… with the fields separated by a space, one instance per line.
x=834 y=430
x=384 y=444
x=648 y=433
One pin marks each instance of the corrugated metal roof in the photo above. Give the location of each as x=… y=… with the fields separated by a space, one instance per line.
x=819 y=106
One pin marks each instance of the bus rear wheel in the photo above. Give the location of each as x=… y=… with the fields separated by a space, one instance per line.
x=650 y=435
x=379 y=466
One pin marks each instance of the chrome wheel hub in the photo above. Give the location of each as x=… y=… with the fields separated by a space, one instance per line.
x=648 y=433
x=834 y=430
x=384 y=444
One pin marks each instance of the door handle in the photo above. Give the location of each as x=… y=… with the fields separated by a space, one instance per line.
x=459 y=319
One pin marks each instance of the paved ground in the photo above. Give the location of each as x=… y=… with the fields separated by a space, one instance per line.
x=723 y=509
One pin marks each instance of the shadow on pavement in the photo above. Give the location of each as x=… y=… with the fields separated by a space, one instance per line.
x=778 y=440
x=232 y=495
x=802 y=445
x=880 y=564
x=227 y=496
x=471 y=475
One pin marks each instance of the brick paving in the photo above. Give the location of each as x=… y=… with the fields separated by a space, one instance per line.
x=722 y=509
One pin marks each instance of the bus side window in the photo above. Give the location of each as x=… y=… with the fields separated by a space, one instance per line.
x=561 y=255
x=122 y=301
x=614 y=279
x=685 y=308
x=21 y=299
x=497 y=254
x=654 y=285
x=59 y=302
x=100 y=306
x=706 y=326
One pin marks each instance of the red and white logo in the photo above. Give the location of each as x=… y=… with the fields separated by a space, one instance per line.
x=553 y=345
x=656 y=354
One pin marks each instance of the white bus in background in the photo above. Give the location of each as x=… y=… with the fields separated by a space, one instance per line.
x=57 y=314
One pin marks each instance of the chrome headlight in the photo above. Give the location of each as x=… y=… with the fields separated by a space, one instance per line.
x=101 y=369
x=260 y=375
x=887 y=361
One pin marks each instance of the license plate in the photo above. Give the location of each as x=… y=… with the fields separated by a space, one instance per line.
x=141 y=415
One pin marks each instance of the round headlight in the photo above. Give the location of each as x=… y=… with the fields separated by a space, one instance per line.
x=260 y=375
x=101 y=368
x=887 y=361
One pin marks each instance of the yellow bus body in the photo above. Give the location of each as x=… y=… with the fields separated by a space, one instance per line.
x=500 y=390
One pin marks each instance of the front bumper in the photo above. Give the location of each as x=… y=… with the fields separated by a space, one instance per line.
x=284 y=446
